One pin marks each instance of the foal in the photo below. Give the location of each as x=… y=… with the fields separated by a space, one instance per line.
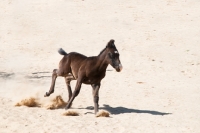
x=87 y=70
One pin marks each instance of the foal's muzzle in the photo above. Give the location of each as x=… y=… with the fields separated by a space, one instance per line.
x=118 y=68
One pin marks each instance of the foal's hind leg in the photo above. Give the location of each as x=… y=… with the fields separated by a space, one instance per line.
x=68 y=87
x=75 y=93
x=54 y=76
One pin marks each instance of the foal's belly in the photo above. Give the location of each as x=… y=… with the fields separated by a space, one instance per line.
x=92 y=80
x=87 y=81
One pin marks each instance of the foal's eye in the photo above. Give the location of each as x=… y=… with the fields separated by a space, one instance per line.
x=110 y=55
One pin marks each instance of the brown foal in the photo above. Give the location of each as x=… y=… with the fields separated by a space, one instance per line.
x=87 y=70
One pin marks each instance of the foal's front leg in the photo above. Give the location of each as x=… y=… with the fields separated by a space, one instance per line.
x=75 y=93
x=95 y=91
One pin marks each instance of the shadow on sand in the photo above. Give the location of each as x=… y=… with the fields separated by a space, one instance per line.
x=119 y=110
x=5 y=75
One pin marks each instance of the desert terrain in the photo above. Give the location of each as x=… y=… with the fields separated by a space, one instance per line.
x=158 y=90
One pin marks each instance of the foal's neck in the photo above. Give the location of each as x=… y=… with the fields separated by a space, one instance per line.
x=102 y=62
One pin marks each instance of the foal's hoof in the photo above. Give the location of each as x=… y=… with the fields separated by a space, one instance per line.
x=46 y=94
x=67 y=107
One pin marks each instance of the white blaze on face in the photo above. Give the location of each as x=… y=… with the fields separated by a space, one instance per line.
x=116 y=52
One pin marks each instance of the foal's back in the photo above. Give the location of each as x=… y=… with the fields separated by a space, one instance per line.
x=80 y=65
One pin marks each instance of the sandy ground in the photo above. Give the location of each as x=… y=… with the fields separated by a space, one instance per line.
x=158 y=90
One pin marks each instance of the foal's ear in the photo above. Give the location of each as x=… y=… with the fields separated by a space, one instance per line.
x=111 y=44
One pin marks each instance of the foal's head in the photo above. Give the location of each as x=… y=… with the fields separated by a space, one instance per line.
x=113 y=56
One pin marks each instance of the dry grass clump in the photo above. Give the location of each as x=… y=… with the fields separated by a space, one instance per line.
x=58 y=102
x=103 y=114
x=71 y=113
x=30 y=102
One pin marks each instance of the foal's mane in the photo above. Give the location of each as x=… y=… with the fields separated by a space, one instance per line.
x=102 y=51
x=109 y=45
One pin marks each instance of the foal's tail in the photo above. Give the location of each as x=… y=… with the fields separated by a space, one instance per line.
x=61 y=51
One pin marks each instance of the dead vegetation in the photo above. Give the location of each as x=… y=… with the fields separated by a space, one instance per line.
x=103 y=114
x=57 y=103
x=71 y=113
x=30 y=102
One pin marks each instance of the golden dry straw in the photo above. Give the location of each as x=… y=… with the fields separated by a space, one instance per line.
x=103 y=114
x=71 y=113
x=30 y=102
x=58 y=102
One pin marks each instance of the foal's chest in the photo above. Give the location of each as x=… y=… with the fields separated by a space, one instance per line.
x=94 y=78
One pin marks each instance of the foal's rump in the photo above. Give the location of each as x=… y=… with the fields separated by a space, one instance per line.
x=70 y=63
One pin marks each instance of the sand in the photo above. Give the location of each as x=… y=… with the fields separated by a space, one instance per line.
x=158 y=90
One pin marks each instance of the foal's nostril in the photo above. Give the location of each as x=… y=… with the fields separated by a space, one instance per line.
x=120 y=67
